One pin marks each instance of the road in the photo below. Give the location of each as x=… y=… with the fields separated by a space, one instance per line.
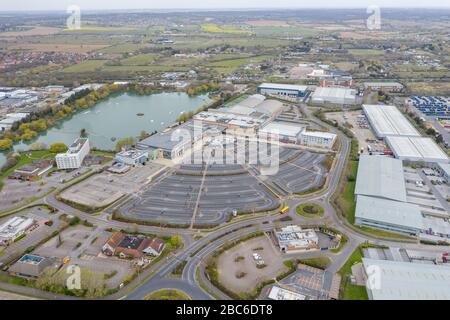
x=196 y=252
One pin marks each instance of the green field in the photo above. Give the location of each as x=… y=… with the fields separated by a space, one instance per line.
x=139 y=60
x=348 y=290
x=151 y=68
x=291 y=32
x=214 y=28
x=347 y=197
x=230 y=65
x=97 y=28
x=85 y=66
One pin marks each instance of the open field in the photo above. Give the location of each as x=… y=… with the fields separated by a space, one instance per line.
x=33 y=31
x=228 y=66
x=86 y=66
x=139 y=60
x=57 y=47
x=214 y=28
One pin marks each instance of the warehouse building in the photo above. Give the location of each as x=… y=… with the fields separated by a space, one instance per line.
x=294 y=239
x=14 y=228
x=416 y=149
x=388 y=215
x=383 y=86
x=382 y=202
x=282 y=131
x=407 y=280
x=317 y=139
x=246 y=106
x=380 y=177
x=287 y=90
x=334 y=96
x=388 y=121
x=74 y=157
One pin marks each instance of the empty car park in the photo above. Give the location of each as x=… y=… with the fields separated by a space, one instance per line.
x=213 y=197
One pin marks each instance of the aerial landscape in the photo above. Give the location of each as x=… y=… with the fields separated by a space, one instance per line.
x=211 y=153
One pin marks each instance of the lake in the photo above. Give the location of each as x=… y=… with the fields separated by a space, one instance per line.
x=117 y=117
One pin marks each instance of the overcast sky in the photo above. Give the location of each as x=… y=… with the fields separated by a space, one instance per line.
x=11 y=5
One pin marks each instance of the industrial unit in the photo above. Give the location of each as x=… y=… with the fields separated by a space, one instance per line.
x=289 y=90
x=382 y=203
x=383 y=86
x=416 y=149
x=14 y=228
x=283 y=131
x=317 y=139
x=380 y=177
x=74 y=157
x=333 y=96
x=407 y=280
x=388 y=121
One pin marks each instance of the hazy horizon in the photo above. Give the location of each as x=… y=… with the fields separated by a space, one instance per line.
x=109 y=5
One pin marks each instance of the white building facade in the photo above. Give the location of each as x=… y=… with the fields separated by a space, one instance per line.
x=74 y=157
x=317 y=139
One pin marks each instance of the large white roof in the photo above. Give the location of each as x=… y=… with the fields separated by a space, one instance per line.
x=409 y=281
x=282 y=86
x=333 y=92
x=382 y=177
x=389 y=212
x=282 y=128
x=416 y=149
x=388 y=120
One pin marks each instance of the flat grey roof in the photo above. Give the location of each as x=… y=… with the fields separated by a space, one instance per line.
x=388 y=120
x=389 y=212
x=380 y=176
x=409 y=280
x=416 y=149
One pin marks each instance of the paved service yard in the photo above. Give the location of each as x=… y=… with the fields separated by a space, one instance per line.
x=173 y=198
x=230 y=264
x=104 y=188
x=83 y=245
x=15 y=192
x=359 y=126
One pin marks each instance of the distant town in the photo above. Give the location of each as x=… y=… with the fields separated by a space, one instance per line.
x=244 y=155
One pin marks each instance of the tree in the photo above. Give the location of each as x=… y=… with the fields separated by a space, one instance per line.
x=5 y=144
x=144 y=134
x=125 y=143
x=175 y=241
x=36 y=146
x=83 y=133
x=58 y=147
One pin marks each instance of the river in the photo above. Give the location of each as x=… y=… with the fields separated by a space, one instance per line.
x=117 y=117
